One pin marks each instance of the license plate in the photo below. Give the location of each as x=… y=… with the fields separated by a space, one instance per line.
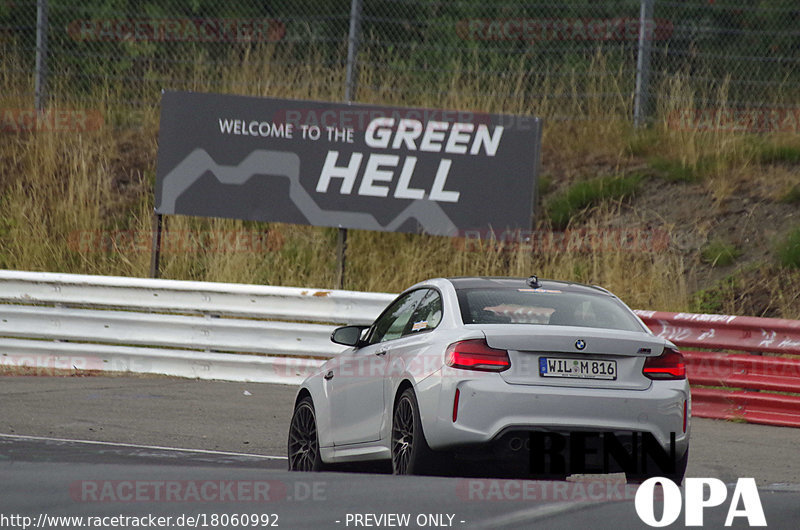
x=578 y=368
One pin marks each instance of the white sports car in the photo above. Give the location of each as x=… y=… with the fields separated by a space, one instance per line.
x=537 y=378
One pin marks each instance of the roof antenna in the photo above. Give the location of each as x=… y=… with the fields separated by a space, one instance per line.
x=533 y=281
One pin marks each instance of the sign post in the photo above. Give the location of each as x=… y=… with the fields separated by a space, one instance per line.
x=155 y=252
x=367 y=167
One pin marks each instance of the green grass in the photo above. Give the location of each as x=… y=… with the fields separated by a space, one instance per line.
x=562 y=208
x=789 y=249
x=545 y=184
x=778 y=154
x=677 y=171
x=642 y=142
x=714 y=299
x=792 y=196
x=718 y=253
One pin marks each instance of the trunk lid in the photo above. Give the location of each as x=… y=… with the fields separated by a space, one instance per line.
x=535 y=352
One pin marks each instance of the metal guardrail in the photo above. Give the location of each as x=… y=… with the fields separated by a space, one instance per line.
x=756 y=386
x=189 y=329
x=281 y=334
x=239 y=300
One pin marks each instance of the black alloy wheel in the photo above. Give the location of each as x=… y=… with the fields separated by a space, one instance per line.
x=410 y=452
x=303 y=447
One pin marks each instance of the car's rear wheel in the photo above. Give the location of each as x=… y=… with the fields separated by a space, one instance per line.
x=675 y=476
x=680 y=469
x=303 y=446
x=410 y=452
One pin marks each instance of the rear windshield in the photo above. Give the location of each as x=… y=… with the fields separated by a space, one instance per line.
x=544 y=306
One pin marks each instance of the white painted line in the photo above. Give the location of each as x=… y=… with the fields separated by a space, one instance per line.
x=137 y=446
x=782 y=486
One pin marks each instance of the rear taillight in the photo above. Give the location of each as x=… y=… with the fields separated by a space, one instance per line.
x=477 y=355
x=668 y=365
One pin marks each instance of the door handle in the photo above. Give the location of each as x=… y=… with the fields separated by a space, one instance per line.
x=329 y=375
x=381 y=352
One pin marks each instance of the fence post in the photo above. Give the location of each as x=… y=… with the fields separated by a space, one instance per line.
x=40 y=83
x=641 y=99
x=352 y=50
x=349 y=94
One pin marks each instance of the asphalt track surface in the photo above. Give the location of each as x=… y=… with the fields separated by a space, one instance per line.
x=235 y=435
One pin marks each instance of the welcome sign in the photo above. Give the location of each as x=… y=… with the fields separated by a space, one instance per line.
x=348 y=166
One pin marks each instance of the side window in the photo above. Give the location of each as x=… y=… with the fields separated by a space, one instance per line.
x=427 y=315
x=393 y=321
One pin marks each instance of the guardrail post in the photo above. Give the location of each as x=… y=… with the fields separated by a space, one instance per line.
x=641 y=100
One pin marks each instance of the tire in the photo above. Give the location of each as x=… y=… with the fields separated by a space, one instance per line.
x=410 y=452
x=303 y=444
x=676 y=476
x=680 y=469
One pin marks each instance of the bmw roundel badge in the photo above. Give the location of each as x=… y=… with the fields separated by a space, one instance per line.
x=580 y=344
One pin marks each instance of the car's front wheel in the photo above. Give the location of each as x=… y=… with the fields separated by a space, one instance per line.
x=410 y=452
x=303 y=447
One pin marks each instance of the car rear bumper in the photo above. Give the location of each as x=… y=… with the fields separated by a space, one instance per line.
x=489 y=407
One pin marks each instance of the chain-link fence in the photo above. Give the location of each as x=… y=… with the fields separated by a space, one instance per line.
x=688 y=60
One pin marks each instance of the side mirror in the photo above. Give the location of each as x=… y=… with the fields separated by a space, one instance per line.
x=348 y=335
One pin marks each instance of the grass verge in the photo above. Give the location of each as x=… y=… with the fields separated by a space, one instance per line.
x=82 y=202
x=789 y=249
x=564 y=207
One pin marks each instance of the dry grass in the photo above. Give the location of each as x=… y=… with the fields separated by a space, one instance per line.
x=58 y=188
x=724 y=158
x=773 y=292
